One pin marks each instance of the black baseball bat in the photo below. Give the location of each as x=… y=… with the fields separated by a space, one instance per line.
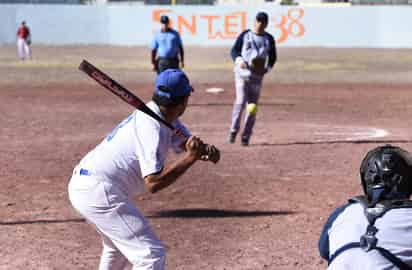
x=120 y=91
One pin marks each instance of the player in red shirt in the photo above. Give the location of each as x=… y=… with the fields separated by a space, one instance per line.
x=23 y=41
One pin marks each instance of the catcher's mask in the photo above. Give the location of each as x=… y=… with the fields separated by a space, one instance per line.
x=386 y=173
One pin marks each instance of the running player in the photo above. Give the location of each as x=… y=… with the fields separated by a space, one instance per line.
x=24 y=41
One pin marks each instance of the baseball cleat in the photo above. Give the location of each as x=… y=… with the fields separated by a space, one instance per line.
x=245 y=141
x=232 y=137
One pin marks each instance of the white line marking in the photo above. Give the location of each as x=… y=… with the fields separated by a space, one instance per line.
x=380 y=133
x=214 y=90
x=352 y=133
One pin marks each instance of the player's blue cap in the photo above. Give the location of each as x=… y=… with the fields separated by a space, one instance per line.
x=172 y=83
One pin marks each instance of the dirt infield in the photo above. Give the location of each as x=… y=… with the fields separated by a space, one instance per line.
x=261 y=207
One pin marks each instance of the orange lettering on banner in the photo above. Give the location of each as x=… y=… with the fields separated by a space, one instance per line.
x=289 y=23
x=295 y=21
x=231 y=28
x=209 y=19
x=244 y=17
x=217 y=35
x=228 y=24
x=283 y=31
x=243 y=20
x=192 y=27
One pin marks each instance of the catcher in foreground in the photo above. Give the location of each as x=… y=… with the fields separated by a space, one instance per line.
x=128 y=161
x=373 y=231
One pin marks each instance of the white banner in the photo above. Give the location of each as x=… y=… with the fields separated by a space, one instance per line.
x=134 y=25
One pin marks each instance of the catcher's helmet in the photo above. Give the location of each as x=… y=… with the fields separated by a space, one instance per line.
x=386 y=173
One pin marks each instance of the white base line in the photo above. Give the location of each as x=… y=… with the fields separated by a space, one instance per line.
x=358 y=133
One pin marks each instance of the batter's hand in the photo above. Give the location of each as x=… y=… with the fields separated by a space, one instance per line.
x=210 y=153
x=195 y=147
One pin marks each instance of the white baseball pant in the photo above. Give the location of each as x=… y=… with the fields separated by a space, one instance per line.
x=126 y=234
x=247 y=91
x=23 y=49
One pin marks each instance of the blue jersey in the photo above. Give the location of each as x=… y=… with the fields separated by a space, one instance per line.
x=167 y=44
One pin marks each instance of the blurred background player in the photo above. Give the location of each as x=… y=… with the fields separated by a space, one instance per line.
x=23 y=41
x=129 y=160
x=374 y=231
x=166 y=47
x=254 y=54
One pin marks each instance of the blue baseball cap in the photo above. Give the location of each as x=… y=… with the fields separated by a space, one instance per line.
x=172 y=83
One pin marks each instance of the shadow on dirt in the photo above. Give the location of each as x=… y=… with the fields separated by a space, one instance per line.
x=214 y=213
x=41 y=221
x=178 y=213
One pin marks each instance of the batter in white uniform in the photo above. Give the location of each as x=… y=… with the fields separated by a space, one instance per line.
x=130 y=160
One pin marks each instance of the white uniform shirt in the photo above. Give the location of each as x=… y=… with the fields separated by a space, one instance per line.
x=394 y=234
x=249 y=46
x=255 y=46
x=137 y=147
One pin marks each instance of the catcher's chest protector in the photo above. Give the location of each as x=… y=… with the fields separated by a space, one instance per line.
x=368 y=241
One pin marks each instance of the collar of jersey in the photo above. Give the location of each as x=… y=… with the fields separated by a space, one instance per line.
x=153 y=106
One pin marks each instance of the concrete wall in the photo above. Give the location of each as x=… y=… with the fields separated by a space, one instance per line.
x=132 y=25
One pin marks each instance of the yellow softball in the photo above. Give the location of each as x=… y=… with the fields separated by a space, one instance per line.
x=251 y=108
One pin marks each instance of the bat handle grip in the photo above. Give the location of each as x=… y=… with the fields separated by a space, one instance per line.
x=180 y=134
